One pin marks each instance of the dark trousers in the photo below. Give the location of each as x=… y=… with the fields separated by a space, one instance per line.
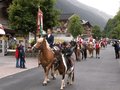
x=85 y=53
x=117 y=54
x=22 y=62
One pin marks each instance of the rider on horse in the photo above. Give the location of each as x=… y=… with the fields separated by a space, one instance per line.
x=67 y=51
x=79 y=40
x=50 y=38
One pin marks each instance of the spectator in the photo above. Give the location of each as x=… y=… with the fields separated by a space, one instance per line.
x=17 y=56
x=116 y=48
x=22 y=57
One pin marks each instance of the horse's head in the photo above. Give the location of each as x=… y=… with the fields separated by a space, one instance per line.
x=39 y=43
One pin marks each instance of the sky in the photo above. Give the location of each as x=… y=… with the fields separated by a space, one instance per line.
x=110 y=7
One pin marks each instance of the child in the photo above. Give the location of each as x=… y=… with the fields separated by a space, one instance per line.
x=22 y=57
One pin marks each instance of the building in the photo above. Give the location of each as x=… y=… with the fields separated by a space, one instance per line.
x=87 y=28
x=4 y=4
x=64 y=19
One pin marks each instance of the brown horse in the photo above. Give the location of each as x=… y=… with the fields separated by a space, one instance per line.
x=90 y=48
x=46 y=57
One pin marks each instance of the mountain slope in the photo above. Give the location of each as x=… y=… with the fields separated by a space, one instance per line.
x=94 y=16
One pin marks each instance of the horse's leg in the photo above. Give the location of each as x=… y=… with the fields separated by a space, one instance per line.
x=76 y=55
x=53 y=72
x=92 y=53
x=79 y=55
x=39 y=62
x=45 y=79
x=71 y=78
x=63 y=82
x=68 y=79
x=89 y=52
x=82 y=54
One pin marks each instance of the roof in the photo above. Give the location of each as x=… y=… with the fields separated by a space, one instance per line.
x=86 y=23
x=66 y=16
x=9 y=31
x=6 y=30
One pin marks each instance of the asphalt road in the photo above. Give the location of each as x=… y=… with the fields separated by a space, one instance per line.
x=90 y=74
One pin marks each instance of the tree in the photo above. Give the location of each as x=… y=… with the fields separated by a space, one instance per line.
x=112 y=26
x=115 y=33
x=74 y=26
x=51 y=15
x=23 y=15
x=96 y=32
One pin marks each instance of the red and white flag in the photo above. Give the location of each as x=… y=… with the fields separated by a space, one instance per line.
x=40 y=22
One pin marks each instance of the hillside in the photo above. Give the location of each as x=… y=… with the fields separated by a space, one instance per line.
x=90 y=14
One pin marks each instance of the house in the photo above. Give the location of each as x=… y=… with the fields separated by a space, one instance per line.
x=4 y=16
x=87 y=28
x=64 y=19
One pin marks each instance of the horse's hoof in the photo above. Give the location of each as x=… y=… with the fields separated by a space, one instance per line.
x=68 y=83
x=44 y=84
x=61 y=89
x=54 y=78
x=48 y=81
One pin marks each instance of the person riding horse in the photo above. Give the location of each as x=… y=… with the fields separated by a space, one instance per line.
x=50 y=38
x=67 y=50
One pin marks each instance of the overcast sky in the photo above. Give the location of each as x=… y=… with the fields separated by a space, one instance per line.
x=111 y=7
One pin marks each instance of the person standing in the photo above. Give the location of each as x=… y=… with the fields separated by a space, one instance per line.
x=85 y=49
x=22 y=57
x=97 y=49
x=17 y=56
x=116 y=48
x=50 y=38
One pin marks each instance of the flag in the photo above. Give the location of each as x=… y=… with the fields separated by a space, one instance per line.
x=40 y=22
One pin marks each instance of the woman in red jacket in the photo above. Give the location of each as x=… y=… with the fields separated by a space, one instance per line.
x=17 y=56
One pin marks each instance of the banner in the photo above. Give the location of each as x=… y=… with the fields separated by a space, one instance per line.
x=40 y=22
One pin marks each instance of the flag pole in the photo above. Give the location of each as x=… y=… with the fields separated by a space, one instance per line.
x=40 y=21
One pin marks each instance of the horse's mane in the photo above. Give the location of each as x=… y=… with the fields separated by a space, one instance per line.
x=44 y=41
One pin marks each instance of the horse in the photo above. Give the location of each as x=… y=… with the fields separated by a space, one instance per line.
x=46 y=57
x=78 y=50
x=62 y=66
x=90 y=48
